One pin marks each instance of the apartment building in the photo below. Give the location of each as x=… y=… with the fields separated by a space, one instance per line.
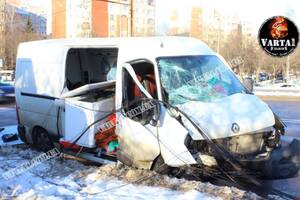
x=143 y=17
x=102 y=18
x=196 y=21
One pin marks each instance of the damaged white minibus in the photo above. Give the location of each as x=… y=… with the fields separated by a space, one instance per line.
x=156 y=103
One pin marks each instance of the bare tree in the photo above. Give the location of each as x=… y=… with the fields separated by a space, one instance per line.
x=18 y=29
x=255 y=59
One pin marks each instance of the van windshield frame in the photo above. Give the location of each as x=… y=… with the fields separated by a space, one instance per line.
x=202 y=78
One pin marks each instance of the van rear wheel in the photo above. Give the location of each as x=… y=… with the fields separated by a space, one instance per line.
x=41 y=140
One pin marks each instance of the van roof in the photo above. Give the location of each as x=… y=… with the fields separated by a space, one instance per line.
x=110 y=40
x=154 y=46
x=38 y=59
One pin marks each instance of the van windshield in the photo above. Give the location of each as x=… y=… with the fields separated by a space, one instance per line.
x=197 y=78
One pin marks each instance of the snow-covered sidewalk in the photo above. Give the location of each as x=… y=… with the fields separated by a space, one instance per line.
x=277 y=91
x=61 y=178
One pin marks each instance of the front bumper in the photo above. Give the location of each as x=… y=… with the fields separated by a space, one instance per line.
x=277 y=163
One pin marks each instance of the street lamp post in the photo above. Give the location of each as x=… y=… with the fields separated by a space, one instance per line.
x=131 y=19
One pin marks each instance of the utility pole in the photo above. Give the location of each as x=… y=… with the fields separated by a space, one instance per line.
x=131 y=19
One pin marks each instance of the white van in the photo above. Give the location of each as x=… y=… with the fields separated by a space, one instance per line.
x=146 y=102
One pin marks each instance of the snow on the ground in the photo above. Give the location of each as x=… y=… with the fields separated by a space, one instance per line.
x=269 y=83
x=277 y=90
x=61 y=178
x=276 y=93
x=9 y=130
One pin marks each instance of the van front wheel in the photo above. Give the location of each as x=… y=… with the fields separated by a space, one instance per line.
x=22 y=134
x=41 y=140
x=160 y=166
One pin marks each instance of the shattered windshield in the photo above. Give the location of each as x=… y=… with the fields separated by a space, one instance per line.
x=197 y=78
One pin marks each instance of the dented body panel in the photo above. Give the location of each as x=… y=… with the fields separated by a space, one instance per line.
x=246 y=111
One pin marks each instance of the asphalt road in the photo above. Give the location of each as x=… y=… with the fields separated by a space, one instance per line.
x=7 y=114
x=289 y=111
x=286 y=109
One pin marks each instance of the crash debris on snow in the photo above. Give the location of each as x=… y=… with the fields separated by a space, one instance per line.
x=62 y=178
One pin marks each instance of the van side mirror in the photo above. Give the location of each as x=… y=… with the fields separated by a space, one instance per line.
x=248 y=82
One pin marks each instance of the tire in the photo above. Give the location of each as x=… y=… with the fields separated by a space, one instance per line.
x=22 y=134
x=160 y=166
x=42 y=140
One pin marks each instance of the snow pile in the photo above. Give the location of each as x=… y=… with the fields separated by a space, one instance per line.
x=62 y=178
x=132 y=175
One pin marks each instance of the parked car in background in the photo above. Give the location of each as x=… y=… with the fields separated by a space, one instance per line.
x=279 y=78
x=7 y=75
x=7 y=92
x=263 y=76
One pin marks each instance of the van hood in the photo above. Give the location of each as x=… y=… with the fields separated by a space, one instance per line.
x=230 y=116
